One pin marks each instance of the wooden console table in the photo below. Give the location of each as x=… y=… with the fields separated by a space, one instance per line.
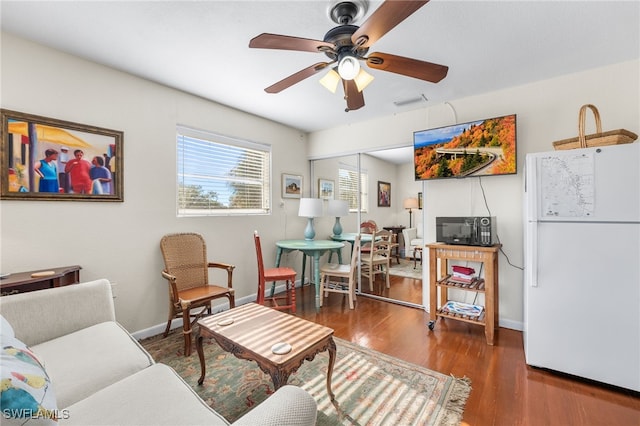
x=439 y=279
x=396 y=240
x=22 y=282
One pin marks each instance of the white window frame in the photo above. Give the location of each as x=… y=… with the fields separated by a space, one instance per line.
x=363 y=182
x=226 y=151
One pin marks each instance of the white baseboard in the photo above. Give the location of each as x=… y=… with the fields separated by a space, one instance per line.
x=514 y=325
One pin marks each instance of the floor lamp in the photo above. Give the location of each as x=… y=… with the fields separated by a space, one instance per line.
x=409 y=204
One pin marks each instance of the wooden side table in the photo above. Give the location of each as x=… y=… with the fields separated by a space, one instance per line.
x=22 y=282
x=439 y=280
x=397 y=238
x=417 y=253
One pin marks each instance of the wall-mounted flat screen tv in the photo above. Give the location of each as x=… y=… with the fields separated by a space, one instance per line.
x=477 y=148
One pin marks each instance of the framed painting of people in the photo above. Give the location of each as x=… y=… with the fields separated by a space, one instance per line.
x=49 y=159
x=384 y=194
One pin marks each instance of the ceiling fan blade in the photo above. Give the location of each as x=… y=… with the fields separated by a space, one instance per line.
x=422 y=70
x=283 y=42
x=296 y=78
x=354 y=98
x=384 y=19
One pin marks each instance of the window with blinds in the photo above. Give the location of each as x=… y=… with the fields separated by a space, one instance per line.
x=218 y=175
x=348 y=187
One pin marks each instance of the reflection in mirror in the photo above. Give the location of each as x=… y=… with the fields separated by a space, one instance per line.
x=385 y=211
x=337 y=178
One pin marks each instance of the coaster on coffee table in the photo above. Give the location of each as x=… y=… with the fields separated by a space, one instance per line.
x=281 y=348
x=226 y=321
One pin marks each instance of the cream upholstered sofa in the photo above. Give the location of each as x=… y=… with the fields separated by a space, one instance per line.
x=100 y=375
x=412 y=239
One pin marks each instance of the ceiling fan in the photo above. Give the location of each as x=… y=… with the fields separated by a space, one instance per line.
x=349 y=44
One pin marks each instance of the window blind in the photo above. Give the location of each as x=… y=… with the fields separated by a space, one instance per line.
x=218 y=175
x=348 y=187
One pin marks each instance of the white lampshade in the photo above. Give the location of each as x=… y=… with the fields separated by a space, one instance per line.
x=338 y=208
x=410 y=203
x=310 y=207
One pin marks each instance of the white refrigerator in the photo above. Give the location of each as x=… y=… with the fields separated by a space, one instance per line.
x=582 y=263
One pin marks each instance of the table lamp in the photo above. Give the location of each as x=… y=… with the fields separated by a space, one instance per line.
x=409 y=204
x=310 y=208
x=338 y=209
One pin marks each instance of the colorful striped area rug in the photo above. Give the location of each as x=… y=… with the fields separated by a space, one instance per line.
x=371 y=388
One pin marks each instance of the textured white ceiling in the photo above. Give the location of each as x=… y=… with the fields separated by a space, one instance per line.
x=201 y=47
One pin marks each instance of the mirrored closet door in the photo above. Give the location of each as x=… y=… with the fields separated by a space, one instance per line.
x=360 y=179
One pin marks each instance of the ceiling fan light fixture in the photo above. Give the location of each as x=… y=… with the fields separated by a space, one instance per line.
x=331 y=80
x=347 y=44
x=363 y=79
x=348 y=67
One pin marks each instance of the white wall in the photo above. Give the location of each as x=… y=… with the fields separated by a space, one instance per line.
x=120 y=241
x=546 y=111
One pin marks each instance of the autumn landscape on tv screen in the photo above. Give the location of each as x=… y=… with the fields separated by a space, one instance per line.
x=479 y=148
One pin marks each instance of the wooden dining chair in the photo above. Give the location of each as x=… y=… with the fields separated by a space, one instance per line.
x=377 y=260
x=273 y=275
x=367 y=227
x=186 y=268
x=337 y=278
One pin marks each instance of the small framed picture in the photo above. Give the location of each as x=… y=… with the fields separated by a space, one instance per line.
x=419 y=200
x=291 y=186
x=326 y=189
x=384 y=194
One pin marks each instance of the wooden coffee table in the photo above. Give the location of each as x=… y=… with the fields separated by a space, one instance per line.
x=256 y=329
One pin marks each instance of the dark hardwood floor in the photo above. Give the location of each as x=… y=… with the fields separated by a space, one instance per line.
x=505 y=390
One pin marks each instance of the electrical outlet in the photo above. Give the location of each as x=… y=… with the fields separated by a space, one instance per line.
x=114 y=289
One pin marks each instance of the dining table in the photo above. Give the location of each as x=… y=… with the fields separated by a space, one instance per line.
x=314 y=249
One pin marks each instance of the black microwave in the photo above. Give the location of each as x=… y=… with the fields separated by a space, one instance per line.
x=468 y=230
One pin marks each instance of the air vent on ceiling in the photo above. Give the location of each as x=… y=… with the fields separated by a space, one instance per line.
x=421 y=98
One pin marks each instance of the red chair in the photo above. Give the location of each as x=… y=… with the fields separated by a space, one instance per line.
x=273 y=275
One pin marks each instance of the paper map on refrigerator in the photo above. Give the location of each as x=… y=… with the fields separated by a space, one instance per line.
x=567 y=185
